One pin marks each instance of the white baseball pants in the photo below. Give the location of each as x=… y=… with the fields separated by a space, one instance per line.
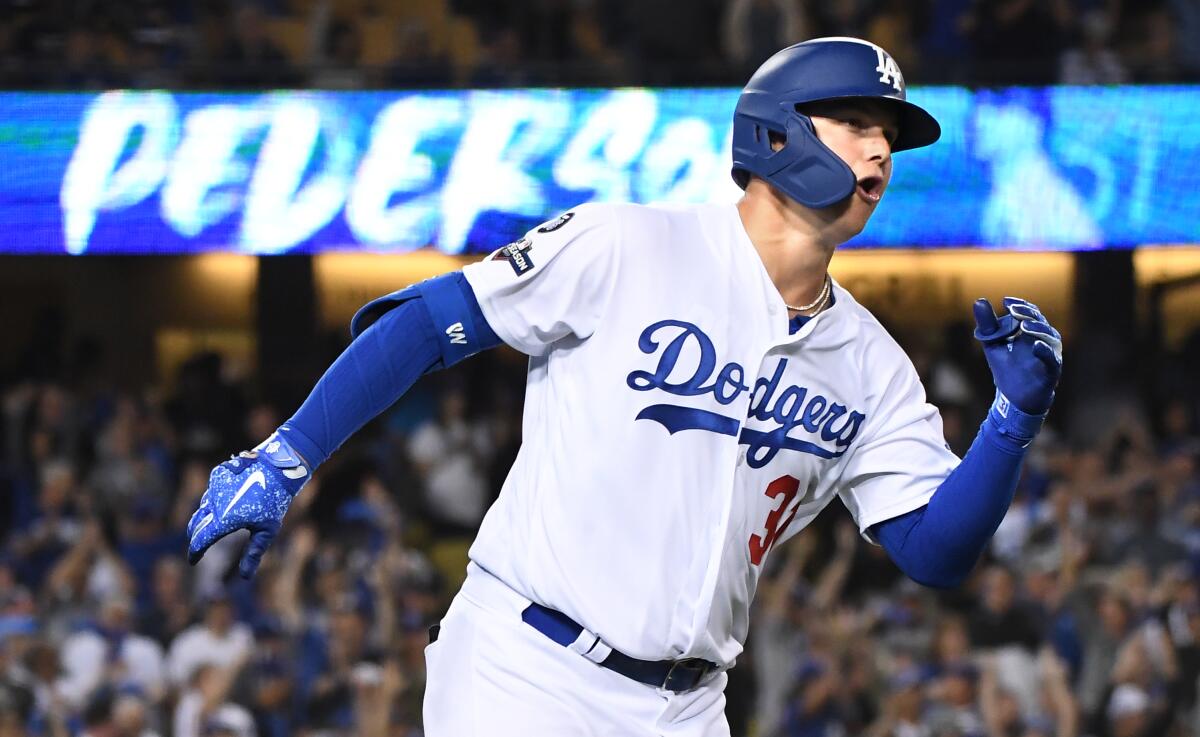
x=492 y=675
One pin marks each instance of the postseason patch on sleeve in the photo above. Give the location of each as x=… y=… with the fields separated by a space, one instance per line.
x=556 y=223
x=517 y=255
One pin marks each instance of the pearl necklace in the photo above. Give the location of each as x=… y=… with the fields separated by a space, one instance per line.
x=818 y=303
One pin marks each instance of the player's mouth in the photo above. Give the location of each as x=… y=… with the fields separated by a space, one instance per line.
x=870 y=189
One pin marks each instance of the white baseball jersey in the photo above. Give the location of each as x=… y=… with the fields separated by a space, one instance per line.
x=675 y=431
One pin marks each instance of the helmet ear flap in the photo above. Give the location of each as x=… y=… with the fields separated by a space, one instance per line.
x=803 y=168
x=815 y=177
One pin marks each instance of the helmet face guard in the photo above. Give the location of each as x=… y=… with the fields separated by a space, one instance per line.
x=805 y=169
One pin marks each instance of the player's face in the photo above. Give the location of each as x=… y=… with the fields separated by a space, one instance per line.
x=861 y=133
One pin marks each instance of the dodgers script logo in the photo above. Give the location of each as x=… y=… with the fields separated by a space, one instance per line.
x=792 y=408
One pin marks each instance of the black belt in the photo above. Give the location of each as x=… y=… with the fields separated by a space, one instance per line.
x=671 y=675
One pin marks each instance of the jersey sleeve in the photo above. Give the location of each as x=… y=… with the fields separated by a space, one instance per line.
x=553 y=283
x=903 y=458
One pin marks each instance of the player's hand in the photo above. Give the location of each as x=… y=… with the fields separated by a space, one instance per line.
x=1023 y=351
x=251 y=491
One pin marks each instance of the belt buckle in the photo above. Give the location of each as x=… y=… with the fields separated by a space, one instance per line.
x=675 y=682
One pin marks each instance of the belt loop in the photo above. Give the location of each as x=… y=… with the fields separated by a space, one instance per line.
x=590 y=646
x=584 y=642
x=599 y=652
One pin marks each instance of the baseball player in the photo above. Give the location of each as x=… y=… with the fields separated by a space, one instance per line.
x=699 y=389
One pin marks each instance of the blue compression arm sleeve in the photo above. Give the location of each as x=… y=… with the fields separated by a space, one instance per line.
x=938 y=544
x=398 y=338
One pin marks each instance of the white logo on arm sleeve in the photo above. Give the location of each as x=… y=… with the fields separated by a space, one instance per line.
x=457 y=334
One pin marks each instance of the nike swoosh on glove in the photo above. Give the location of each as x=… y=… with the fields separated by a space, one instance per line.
x=250 y=491
x=1023 y=351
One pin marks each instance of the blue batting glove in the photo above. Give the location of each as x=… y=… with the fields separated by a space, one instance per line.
x=250 y=491
x=1025 y=355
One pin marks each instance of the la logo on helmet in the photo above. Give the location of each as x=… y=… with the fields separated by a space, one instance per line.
x=889 y=73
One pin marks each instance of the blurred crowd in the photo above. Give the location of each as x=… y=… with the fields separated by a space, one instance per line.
x=1083 y=618
x=352 y=44
x=106 y=631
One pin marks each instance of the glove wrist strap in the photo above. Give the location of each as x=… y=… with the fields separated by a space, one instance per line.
x=1012 y=422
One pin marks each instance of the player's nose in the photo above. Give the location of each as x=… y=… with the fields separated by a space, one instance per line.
x=877 y=149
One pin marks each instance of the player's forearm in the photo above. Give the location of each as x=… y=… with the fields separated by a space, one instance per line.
x=385 y=359
x=939 y=544
x=367 y=378
x=398 y=337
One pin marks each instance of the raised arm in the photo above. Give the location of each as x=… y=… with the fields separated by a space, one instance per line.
x=938 y=544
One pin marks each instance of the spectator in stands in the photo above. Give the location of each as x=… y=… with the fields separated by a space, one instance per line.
x=1141 y=537
x=158 y=48
x=16 y=603
x=813 y=710
x=17 y=700
x=271 y=676
x=131 y=717
x=347 y=663
x=1186 y=17
x=206 y=708
x=451 y=454
x=339 y=65
x=217 y=639
x=1104 y=632
x=999 y=619
x=145 y=540
x=54 y=528
x=1092 y=61
x=169 y=610
x=893 y=26
x=207 y=411
x=954 y=706
x=110 y=654
x=903 y=703
x=124 y=469
x=752 y=30
x=499 y=62
x=416 y=63
x=249 y=57
x=598 y=58
x=1045 y=709
x=39 y=670
x=1151 y=49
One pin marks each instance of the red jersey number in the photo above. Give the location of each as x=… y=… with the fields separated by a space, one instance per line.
x=785 y=488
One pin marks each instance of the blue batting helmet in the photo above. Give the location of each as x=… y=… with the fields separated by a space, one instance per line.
x=821 y=69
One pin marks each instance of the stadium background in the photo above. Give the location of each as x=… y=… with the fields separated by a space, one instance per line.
x=124 y=378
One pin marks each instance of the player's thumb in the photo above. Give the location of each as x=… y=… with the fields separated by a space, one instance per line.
x=203 y=535
x=986 y=323
x=259 y=542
